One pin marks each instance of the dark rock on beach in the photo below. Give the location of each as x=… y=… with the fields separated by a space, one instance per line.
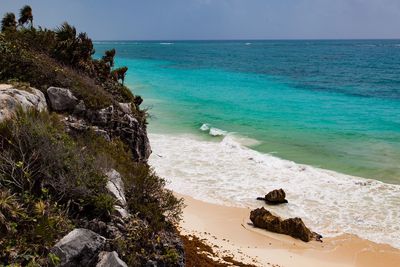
x=274 y=197
x=293 y=227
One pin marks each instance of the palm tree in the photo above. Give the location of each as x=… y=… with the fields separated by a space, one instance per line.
x=25 y=15
x=8 y=22
x=66 y=32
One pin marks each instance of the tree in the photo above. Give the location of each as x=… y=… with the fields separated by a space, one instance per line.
x=109 y=57
x=25 y=15
x=119 y=74
x=8 y=22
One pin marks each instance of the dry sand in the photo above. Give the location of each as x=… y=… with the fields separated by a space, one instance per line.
x=230 y=232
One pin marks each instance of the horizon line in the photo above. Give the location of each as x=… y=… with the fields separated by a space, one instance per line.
x=273 y=39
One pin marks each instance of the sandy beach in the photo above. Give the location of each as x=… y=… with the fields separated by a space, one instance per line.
x=229 y=231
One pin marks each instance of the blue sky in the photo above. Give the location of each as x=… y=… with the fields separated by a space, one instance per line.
x=219 y=19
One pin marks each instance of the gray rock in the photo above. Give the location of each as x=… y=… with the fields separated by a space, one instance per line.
x=115 y=186
x=80 y=108
x=121 y=212
x=125 y=107
x=12 y=98
x=126 y=127
x=61 y=99
x=151 y=263
x=79 y=248
x=110 y=259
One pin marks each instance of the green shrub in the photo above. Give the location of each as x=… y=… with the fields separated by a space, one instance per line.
x=37 y=156
x=145 y=191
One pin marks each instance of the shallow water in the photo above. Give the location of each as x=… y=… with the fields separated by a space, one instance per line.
x=331 y=104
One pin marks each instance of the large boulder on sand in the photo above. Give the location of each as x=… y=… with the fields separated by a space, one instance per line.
x=110 y=259
x=275 y=197
x=294 y=227
x=12 y=98
x=79 y=248
x=61 y=99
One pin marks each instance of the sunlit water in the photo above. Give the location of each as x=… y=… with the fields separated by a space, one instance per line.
x=221 y=109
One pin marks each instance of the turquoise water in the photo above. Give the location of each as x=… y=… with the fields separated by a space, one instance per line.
x=331 y=104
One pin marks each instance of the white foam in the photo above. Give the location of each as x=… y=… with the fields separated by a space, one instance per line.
x=166 y=43
x=212 y=130
x=217 y=132
x=205 y=127
x=227 y=173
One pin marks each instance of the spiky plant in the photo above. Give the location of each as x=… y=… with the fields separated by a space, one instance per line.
x=66 y=32
x=25 y=16
x=10 y=209
x=8 y=22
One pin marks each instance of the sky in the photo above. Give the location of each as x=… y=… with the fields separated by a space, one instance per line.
x=219 y=19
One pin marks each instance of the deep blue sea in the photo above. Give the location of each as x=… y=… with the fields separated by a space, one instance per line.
x=329 y=104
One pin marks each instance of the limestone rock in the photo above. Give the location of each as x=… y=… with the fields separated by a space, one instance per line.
x=61 y=99
x=110 y=259
x=126 y=127
x=12 y=98
x=294 y=227
x=115 y=186
x=125 y=107
x=79 y=248
x=275 y=197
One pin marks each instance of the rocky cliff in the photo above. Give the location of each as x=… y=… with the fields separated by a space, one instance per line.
x=98 y=241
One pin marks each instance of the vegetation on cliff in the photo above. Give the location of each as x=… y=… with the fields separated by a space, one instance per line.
x=53 y=180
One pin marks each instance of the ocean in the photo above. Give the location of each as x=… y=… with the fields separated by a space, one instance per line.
x=231 y=120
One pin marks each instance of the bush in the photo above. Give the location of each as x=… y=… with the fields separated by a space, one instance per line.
x=37 y=156
x=144 y=190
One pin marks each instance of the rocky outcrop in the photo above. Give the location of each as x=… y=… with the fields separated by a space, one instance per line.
x=126 y=127
x=61 y=99
x=125 y=107
x=12 y=98
x=75 y=125
x=110 y=259
x=275 y=197
x=115 y=186
x=79 y=248
x=294 y=227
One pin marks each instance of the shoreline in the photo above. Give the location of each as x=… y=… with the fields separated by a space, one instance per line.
x=229 y=174
x=229 y=231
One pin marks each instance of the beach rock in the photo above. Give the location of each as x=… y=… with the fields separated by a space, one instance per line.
x=79 y=248
x=294 y=227
x=274 y=197
x=12 y=98
x=110 y=259
x=61 y=99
